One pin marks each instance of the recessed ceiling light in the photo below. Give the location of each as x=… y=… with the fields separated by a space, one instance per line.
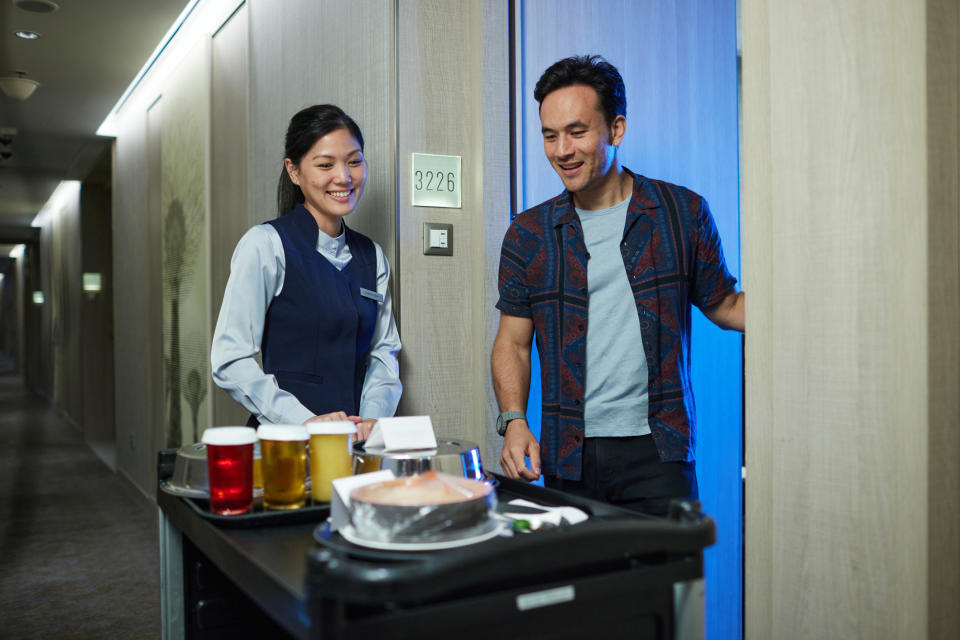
x=27 y=35
x=37 y=6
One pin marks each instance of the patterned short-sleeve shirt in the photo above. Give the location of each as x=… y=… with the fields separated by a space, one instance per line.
x=673 y=258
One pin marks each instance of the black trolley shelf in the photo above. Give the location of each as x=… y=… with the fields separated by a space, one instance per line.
x=617 y=574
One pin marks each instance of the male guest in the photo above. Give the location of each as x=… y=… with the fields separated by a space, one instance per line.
x=605 y=273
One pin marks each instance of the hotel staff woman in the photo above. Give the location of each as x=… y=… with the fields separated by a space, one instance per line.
x=311 y=293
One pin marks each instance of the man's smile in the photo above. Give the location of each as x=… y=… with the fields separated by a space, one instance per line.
x=569 y=168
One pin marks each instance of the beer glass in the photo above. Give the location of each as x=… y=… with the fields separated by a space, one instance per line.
x=330 y=456
x=230 y=468
x=283 y=452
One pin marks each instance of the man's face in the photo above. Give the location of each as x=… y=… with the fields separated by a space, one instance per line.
x=578 y=143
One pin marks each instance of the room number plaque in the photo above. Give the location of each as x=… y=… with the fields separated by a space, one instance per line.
x=435 y=180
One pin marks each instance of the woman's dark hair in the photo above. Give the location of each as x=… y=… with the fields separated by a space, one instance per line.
x=305 y=128
x=591 y=71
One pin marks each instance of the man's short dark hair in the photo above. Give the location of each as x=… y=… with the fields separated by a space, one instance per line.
x=590 y=71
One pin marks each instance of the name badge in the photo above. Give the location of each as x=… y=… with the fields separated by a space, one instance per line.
x=373 y=295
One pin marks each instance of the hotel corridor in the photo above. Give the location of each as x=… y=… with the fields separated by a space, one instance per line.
x=78 y=546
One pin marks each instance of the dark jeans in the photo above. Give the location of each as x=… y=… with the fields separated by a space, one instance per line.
x=628 y=472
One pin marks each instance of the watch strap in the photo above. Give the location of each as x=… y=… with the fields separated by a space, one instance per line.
x=504 y=419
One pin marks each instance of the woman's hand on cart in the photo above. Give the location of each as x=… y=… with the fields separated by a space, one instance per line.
x=364 y=425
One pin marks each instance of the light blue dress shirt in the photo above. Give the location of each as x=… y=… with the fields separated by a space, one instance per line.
x=256 y=276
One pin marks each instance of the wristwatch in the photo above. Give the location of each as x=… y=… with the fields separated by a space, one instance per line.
x=504 y=418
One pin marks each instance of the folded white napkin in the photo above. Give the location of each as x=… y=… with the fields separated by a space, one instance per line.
x=550 y=515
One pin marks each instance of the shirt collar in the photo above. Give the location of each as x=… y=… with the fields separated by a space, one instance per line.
x=331 y=246
x=644 y=197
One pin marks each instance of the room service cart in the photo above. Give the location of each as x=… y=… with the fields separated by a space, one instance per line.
x=619 y=574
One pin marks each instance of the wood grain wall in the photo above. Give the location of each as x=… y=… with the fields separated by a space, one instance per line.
x=325 y=52
x=943 y=318
x=446 y=311
x=230 y=186
x=137 y=315
x=496 y=152
x=849 y=194
x=96 y=369
x=26 y=360
x=36 y=357
x=63 y=302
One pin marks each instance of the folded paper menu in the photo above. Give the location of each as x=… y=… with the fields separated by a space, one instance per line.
x=340 y=503
x=402 y=434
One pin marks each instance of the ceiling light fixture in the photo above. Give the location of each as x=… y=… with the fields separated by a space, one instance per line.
x=27 y=35
x=67 y=194
x=37 y=6
x=18 y=86
x=198 y=20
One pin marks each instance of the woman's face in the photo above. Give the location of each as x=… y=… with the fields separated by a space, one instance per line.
x=331 y=176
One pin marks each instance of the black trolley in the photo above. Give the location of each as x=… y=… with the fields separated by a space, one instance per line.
x=619 y=574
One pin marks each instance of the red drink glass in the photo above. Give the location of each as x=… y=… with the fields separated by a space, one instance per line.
x=230 y=468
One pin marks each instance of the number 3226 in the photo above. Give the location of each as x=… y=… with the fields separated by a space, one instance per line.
x=435 y=181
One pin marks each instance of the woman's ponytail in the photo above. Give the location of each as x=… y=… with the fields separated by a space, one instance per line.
x=288 y=194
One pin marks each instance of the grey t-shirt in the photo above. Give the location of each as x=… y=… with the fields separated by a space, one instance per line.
x=615 y=398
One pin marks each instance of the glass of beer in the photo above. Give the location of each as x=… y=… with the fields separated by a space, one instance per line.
x=230 y=468
x=330 y=456
x=283 y=452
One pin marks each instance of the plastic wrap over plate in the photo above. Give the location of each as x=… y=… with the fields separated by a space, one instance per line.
x=432 y=507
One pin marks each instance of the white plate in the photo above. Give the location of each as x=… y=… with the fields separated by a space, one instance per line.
x=350 y=535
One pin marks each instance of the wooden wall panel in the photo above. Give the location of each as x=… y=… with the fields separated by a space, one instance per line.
x=229 y=176
x=445 y=316
x=25 y=360
x=96 y=377
x=64 y=300
x=943 y=322
x=153 y=435
x=496 y=198
x=185 y=206
x=329 y=52
x=757 y=221
x=49 y=356
x=845 y=415
x=137 y=310
x=37 y=360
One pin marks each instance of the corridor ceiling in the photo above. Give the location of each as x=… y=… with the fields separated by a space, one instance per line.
x=87 y=53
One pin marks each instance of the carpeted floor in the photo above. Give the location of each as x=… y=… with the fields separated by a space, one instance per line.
x=78 y=549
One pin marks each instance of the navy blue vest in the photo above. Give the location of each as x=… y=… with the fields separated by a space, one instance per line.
x=317 y=333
